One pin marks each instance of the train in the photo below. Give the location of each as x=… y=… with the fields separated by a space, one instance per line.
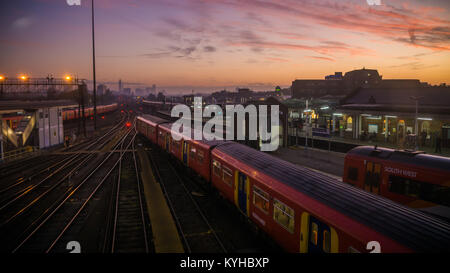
x=70 y=114
x=67 y=114
x=412 y=178
x=300 y=209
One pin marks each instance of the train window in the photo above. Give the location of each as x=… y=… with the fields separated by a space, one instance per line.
x=352 y=174
x=227 y=176
x=314 y=233
x=216 y=168
x=260 y=199
x=284 y=215
x=326 y=241
x=200 y=156
x=192 y=153
x=424 y=191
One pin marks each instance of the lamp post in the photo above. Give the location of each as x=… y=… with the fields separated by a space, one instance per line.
x=93 y=68
x=416 y=129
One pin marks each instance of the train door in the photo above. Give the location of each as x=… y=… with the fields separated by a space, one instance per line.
x=241 y=192
x=185 y=152
x=316 y=236
x=373 y=177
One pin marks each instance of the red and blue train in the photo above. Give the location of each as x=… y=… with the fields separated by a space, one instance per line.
x=300 y=209
x=70 y=114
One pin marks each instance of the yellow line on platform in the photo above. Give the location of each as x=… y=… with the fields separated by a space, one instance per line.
x=165 y=233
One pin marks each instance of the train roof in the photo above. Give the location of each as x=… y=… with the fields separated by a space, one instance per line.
x=403 y=156
x=153 y=119
x=412 y=228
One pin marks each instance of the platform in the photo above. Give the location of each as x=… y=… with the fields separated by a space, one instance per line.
x=165 y=234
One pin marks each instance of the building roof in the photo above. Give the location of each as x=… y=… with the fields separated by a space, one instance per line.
x=7 y=105
x=431 y=99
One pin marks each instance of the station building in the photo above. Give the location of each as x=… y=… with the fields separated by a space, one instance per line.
x=387 y=113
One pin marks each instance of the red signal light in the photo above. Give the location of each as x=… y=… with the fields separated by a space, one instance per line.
x=128 y=124
x=103 y=117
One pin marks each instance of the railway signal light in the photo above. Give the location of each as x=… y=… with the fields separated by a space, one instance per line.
x=128 y=124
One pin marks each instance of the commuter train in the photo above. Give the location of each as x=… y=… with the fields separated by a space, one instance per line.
x=414 y=179
x=300 y=209
x=69 y=114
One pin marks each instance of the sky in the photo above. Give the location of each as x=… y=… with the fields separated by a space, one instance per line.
x=208 y=45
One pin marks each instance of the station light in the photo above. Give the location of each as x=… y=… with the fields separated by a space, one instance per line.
x=68 y=78
x=2 y=78
x=425 y=118
x=23 y=77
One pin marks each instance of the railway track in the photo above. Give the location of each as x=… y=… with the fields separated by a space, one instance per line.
x=26 y=209
x=197 y=233
x=43 y=165
x=67 y=216
x=129 y=227
x=32 y=191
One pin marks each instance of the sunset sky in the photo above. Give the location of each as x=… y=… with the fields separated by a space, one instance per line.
x=181 y=45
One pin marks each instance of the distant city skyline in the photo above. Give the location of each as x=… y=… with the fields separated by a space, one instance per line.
x=224 y=44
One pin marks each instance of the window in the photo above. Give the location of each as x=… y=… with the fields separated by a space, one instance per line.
x=314 y=233
x=352 y=174
x=421 y=190
x=216 y=168
x=261 y=199
x=227 y=176
x=200 y=156
x=284 y=215
x=326 y=241
x=192 y=153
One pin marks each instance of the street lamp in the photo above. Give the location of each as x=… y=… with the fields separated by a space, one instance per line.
x=416 y=129
x=93 y=68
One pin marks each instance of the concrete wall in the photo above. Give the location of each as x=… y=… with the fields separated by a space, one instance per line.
x=50 y=127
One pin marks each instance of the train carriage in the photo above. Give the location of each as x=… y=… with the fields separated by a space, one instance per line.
x=415 y=179
x=147 y=125
x=197 y=156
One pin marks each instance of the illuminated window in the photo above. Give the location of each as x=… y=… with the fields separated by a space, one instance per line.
x=326 y=241
x=216 y=168
x=227 y=176
x=261 y=199
x=284 y=215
